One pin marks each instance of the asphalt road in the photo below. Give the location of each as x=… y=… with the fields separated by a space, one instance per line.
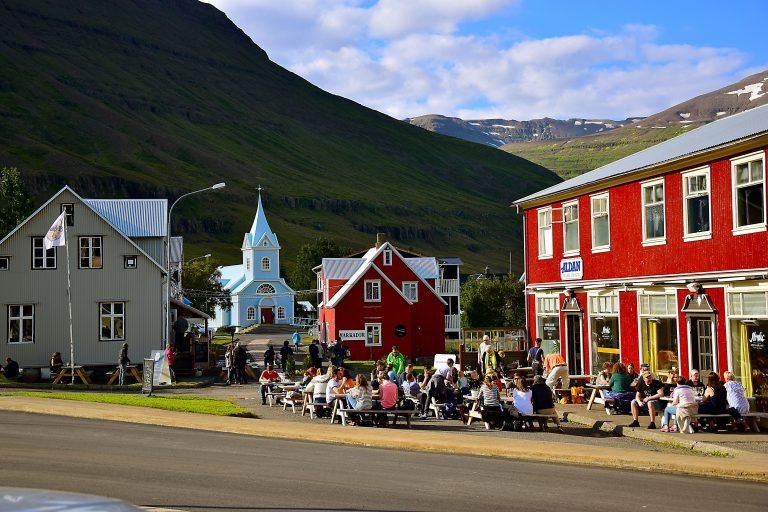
x=209 y=471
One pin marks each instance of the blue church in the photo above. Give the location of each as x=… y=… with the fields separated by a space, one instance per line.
x=258 y=293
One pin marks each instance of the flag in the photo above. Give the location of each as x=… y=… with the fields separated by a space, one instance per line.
x=55 y=235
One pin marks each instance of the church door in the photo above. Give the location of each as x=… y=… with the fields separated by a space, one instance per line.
x=267 y=316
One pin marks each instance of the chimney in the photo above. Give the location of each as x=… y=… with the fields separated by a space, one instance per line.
x=380 y=239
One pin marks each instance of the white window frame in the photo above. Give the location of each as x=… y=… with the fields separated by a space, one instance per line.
x=6 y=263
x=701 y=235
x=265 y=286
x=266 y=264
x=91 y=249
x=659 y=240
x=566 y=206
x=387 y=256
x=45 y=257
x=671 y=312
x=281 y=312
x=375 y=290
x=413 y=286
x=543 y=230
x=750 y=228
x=112 y=316
x=592 y=199
x=250 y=313
x=127 y=261
x=375 y=327
x=20 y=318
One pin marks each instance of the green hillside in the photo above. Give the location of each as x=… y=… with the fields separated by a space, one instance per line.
x=149 y=98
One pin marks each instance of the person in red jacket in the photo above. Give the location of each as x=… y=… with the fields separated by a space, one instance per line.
x=170 y=355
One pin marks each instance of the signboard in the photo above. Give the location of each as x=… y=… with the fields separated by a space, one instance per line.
x=571 y=269
x=441 y=361
x=161 y=373
x=400 y=331
x=149 y=370
x=353 y=335
x=757 y=340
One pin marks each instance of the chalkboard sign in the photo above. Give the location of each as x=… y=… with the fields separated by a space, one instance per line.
x=149 y=369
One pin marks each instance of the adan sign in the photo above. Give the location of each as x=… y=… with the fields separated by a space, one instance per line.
x=571 y=269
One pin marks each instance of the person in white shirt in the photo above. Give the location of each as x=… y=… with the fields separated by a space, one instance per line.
x=481 y=350
x=447 y=370
x=685 y=404
x=737 y=399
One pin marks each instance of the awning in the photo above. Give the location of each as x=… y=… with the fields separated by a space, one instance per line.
x=698 y=303
x=571 y=305
x=188 y=311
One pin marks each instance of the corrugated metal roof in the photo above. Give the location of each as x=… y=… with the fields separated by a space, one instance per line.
x=134 y=217
x=177 y=249
x=717 y=133
x=451 y=261
x=340 y=268
x=426 y=268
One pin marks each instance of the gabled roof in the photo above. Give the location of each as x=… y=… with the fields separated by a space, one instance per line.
x=231 y=276
x=367 y=262
x=134 y=217
x=260 y=229
x=731 y=129
x=57 y=194
x=426 y=268
x=340 y=268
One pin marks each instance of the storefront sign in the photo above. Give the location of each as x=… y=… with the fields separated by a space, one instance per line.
x=571 y=269
x=757 y=340
x=353 y=335
x=400 y=331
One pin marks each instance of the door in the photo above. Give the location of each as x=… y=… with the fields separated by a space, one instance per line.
x=574 y=344
x=267 y=316
x=703 y=346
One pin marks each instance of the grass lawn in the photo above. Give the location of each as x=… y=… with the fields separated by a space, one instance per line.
x=196 y=404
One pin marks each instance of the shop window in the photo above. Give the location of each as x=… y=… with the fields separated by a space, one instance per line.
x=548 y=323
x=545 y=233
x=604 y=329
x=658 y=331
x=748 y=194
x=653 y=212
x=601 y=226
x=749 y=340
x=571 y=229
x=696 y=211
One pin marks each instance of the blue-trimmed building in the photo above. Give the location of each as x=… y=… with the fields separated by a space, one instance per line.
x=259 y=295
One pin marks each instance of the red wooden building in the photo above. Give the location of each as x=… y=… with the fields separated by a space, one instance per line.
x=660 y=257
x=379 y=300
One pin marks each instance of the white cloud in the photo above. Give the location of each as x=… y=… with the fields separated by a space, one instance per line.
x=412 y=58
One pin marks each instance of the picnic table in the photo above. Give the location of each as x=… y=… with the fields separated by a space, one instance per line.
x=130 y=371
x=69 y=371
x=594 y=398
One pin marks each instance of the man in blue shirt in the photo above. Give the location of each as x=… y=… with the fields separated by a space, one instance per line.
x=536 y=358
x=296 y=340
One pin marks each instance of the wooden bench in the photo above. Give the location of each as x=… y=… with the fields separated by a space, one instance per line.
x=396 y=413
x=435 y=407
x=751 y=418
x=542 y=419
x=292 y=399
x=273 y=397
x=312 y=407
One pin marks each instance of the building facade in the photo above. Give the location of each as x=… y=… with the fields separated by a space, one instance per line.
x=379 y=300
x=116 y=252
x=659 y=257
x=259 y=294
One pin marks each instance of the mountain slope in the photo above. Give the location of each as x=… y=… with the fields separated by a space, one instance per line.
x=570 y=157
x=148 y=98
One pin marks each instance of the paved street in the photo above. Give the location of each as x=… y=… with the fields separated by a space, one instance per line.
x=198 y=470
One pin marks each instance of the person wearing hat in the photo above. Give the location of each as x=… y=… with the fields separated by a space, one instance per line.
x=536 y=358
x=481 y=350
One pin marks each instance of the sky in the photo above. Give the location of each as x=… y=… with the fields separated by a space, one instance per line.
x=510 y=59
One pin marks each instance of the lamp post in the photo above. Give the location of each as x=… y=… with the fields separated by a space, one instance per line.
x=167 y=315
x=198 y=258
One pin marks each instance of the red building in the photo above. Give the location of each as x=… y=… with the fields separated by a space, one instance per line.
x=660 y=257
x=379 y=300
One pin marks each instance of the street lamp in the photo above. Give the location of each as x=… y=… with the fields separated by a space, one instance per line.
x=168 y=258
x=198 y=258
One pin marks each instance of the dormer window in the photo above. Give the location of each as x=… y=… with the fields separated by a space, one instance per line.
x=265 y=264
x=69 y=209
x=265 y=243
x=387 y=257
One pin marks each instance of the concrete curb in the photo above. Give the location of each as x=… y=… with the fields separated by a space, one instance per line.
x=654 y=436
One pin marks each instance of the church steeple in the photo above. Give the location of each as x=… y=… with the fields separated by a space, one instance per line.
x=260 y=230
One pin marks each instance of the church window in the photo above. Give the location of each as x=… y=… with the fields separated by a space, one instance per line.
x=250 y=313
x=280 y=313
x=266 y=289
x=265 y=263
x=247 y=263
x=265 y=243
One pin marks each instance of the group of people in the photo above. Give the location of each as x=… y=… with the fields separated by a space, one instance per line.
x=235 y=359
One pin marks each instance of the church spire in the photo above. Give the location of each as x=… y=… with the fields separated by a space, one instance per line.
x=260 y=227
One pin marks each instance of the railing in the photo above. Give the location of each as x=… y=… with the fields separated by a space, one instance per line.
x=447 y=286
x=452 y=322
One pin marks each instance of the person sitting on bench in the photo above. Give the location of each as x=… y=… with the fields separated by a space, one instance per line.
x=267 y=379
x=543 y=402
x=649 y=393
x=388 y=391
x=359 y=397
x=737 y=400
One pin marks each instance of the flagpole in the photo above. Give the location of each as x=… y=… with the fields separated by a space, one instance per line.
x=69 y=302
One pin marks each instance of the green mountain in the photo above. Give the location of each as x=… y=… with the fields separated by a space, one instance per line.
x=151 y=98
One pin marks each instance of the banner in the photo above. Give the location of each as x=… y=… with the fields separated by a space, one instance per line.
x=161 y=375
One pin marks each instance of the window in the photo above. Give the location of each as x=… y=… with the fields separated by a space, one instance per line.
x=5 y=263
x=658 y=331
x=373 y=291
x=112 y=321
x=604 y=329
x=545 y=233
x=247 y=263
x=372 y=335
x=601 y=227
x=69 y=209
x=748 y=193
x=696 y=215
x=42 y=259
x=21 y=323
x=280 y=313
x=411 y=290
x=387 y=257
x=266 y=289
x=749 y=334
x=571 y=229
x=131 y=261
x=265 y=243
x=250 y=313
x=548 y=323
x=265 y=263
x=90 y=252
x=653 y=212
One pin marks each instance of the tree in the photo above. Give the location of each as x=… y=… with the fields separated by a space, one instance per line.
x=309 y=256
x=15 y=201
x=202 y=283
x=492 y=302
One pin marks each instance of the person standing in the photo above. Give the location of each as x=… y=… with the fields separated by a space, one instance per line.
x=339 y=352
x=314 y=354
x=241 y=358
x=536 y=358
x=123 y=361
x=481 y=350
x=556 y=369
x=229 y=364
x=170 y=356
x=296 y=338
x=397 y=360
x=269 y=356
x=285 y=352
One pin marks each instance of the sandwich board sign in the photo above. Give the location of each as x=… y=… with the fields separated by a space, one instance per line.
x=146 y=382
x=161 y=373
